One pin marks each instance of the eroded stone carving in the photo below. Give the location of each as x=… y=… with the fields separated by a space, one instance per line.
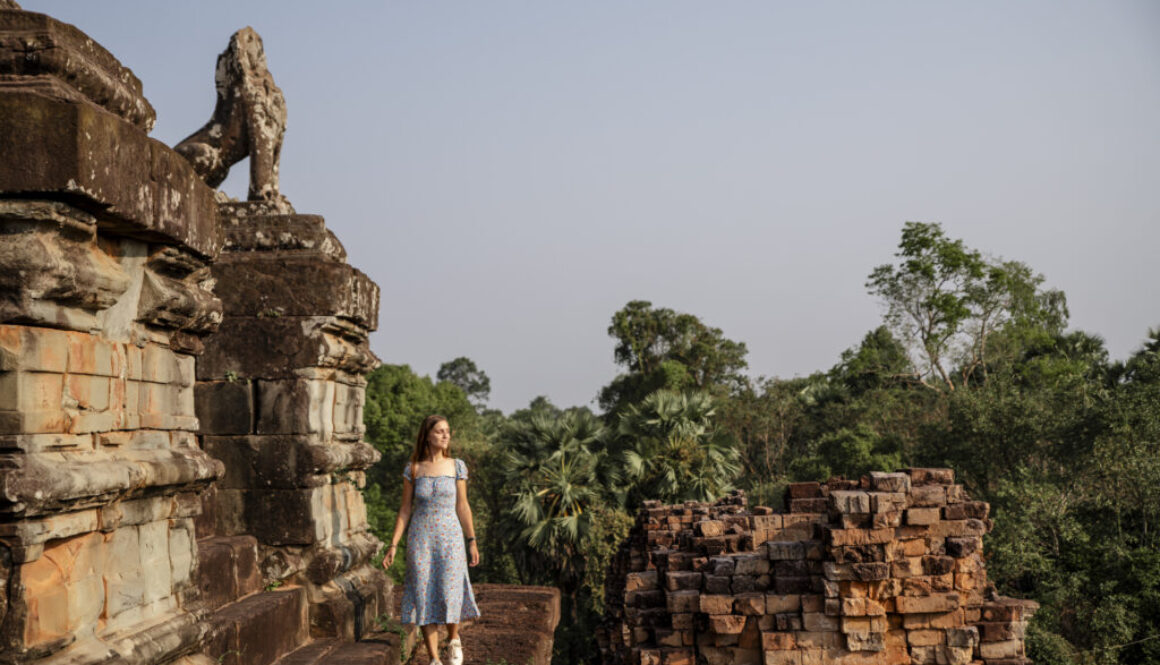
x=249 y=120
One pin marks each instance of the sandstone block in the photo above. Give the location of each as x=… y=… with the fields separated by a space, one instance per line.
x=683 y=601
x=925 y=638
x=743 y=584
x=945 y=602
x=641 y=581
x=282 y=284
x=819 y=622
x=98 y=163
x=792 y=585
x=682 y=580
x=815 y=505
x=920 y=477
x=749 y=604
x=937 y=565
x=782 y=603
x=716 y=604
x=826 y=639
x=963 y=637
x=956 y=493
x=940 y=620
x=296 y=406
x=861 y=607
x=276 y=347
x=722 y=565
x=751 y=564
x=850 y=501
x=225 y=407
x=719 y=584
x=928 y=496
x=804 y=490
x=872 y=642
x=967 y=510
x=871 y=571
x=1005 y=649
x=766 y=522
x=956 y=655
x=841 y=537
x=963 y=547
x=922 y=516
x=783 y=657
x=773 y=641
x=924 y=655
x=889 y=482
x=968 y=528
x=726 y=624
x=781 y=551
x=1000 y=631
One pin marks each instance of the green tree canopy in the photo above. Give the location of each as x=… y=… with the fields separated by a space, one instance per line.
x=947 y=302
x=463 y=372
x=672 y=450
x=663 y=349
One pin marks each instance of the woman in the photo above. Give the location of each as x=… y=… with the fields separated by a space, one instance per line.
x=436 y=589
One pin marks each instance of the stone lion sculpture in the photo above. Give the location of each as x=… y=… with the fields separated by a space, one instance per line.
x=249 y=120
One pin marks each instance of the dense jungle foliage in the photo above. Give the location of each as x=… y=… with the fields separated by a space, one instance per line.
x=973 y=368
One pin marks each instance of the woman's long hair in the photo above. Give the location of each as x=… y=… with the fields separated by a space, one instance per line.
x=422 y=447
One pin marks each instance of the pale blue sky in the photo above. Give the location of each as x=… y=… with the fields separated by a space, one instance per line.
x=512 y=173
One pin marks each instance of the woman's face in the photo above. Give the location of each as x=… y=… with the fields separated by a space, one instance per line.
x=440 y=436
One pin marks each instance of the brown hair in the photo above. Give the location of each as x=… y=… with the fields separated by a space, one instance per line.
x=422 y=447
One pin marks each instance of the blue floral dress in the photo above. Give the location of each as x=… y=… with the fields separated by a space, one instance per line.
x=436 y=588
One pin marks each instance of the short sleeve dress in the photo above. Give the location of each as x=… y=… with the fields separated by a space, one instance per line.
x=436 y=588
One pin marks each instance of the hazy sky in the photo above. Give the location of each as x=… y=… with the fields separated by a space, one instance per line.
x=512 y=173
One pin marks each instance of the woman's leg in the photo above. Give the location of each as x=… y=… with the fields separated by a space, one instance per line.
x=431 y=639
x=452 y=631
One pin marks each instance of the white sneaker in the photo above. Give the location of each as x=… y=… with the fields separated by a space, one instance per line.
x=455 y=652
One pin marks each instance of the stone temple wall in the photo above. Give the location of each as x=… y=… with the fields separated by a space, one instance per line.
x=106 y=237
x=181 y=391
x=885 y=570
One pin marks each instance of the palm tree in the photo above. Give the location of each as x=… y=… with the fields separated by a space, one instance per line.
x=554 y=475
x=673 y=452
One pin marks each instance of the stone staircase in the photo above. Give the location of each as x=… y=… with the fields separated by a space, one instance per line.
x=253 y=625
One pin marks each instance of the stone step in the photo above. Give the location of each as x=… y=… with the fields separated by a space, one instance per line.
x=516 y=625
x=259 y=629
x=227 y=569
x=311 y=654
x=378 y=649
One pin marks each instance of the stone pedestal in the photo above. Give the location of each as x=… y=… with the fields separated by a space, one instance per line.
x=105 y=240
x=280 y=393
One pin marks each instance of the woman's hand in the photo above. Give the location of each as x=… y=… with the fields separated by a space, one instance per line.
x=389 y=559
x=474 y=552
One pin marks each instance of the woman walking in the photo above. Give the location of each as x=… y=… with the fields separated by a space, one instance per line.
x=436 y=589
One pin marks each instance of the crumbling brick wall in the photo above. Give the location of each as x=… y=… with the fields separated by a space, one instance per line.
x=887 y=569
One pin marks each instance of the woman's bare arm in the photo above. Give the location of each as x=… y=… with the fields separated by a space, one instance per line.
x=400 y=522
x=463 y=510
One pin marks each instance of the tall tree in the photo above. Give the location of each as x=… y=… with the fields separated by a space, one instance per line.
x=663 y=349
x=947 y=302
x=473 y=381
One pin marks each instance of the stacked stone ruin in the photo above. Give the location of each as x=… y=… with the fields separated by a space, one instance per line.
x=887 y=570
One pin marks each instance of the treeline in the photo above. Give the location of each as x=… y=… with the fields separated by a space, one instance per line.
x=973 y=368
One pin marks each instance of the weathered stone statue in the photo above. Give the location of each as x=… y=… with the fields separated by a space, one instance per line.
x=249 y=120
